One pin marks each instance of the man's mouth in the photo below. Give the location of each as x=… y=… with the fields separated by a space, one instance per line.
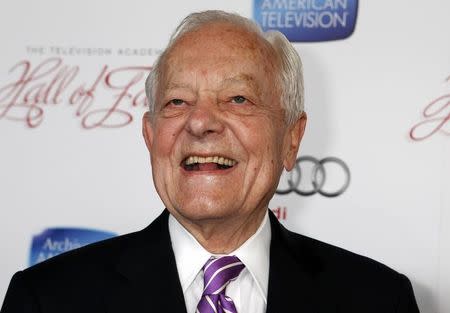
x=209 y=163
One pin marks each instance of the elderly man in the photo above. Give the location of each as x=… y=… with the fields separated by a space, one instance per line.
x=226 y=117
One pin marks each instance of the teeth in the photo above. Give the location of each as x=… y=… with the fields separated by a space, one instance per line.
x=211 y=159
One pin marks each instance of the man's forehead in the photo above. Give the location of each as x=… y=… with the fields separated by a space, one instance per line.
x=239 y=79
x=224 y=54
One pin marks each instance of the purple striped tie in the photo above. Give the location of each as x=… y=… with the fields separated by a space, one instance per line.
x=218 y=273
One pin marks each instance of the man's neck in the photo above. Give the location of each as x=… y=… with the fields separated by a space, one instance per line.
x=223 y=236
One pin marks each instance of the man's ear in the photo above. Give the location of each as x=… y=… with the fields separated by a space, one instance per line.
x=294 y=137
x=147 y=130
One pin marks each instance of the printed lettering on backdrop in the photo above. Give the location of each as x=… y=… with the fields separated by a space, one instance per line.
x=435 y=117
x=311 y=20
x=54 y=241
x=107 y=99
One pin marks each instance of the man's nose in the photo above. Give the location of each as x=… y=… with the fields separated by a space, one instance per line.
x=205 y=119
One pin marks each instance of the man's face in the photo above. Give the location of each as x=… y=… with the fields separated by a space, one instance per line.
x=218 y=140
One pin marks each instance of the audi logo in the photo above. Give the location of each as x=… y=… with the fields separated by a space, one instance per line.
x=299 y=183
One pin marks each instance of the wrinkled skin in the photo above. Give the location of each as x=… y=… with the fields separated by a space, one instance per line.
x=218 y=97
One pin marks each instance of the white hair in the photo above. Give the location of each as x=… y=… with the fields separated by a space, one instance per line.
x=290 y=75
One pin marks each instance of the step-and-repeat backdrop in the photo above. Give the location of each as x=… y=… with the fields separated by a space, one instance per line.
x=373 y=173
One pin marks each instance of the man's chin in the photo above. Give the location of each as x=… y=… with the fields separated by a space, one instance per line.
x=201 y=212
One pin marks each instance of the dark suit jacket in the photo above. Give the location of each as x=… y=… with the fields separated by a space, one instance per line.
x=137 y=273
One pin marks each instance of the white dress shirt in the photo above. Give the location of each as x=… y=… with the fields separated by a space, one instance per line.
x=248 y=291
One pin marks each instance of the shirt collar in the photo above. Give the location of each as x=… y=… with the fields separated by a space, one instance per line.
x=190 y=256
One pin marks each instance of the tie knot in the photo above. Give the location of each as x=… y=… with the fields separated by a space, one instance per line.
x=219 y=272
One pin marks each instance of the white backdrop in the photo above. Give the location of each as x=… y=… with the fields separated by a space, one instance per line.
x=364 y=94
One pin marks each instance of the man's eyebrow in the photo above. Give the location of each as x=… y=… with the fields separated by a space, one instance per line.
x=240 y=78
x=175 y=85
x=246 y=80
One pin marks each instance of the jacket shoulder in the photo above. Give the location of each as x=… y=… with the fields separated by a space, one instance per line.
x=350 y=282
x=62 y=279
x=101 y=256
x=81 y=279
x=330 y=258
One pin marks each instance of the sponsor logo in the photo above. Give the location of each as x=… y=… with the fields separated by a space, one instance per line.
x=307 y=20
x=54 y=241
x=435 y=117
x=280 y=213
x=319 y=179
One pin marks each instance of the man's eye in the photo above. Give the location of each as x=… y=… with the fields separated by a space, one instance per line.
x=239 y=99
x=176 y=101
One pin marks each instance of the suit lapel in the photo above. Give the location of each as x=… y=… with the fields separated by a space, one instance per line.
x=292 y=286
x=148 y=279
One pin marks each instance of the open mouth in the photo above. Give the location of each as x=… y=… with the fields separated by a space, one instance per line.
x=210 y=163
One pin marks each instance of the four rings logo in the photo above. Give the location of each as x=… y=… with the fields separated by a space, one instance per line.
x=320 y=179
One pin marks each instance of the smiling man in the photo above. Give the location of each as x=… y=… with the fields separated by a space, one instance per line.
x=226 y=118
x=217 y=131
